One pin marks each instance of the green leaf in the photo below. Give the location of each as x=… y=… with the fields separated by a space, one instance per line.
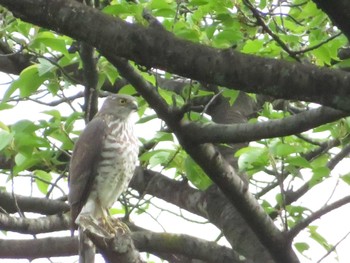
x=199 y=2
x=23 y=162
x=159 y=4
x=12 y=88
x=253 y=46
x=320 y=161
x=47 y=39
x=53 y=87
x=4 y=127
x=231 y=94
x=262 y=4
x=24 y=139
x=127 y=89
x=319 y=238
x=344 y=63
x=20 y=159
x=116 y=9
x=28 y=82
x=196 y=175
x=252 y=158
x=117 y=211
x=24 y=126
x=147 y=118
x=323 y=56
x=164 y=12
x=279 y=199
x=267 y=207
x=227 y=37
x=185 y=32
x=298 y=161
x=210 y=30
x=107 y=70
x=157 y=157
x=54 y=113
x=282 y=149
x=301 y=246
x=5 y=106
x=5 y=139
x=44 y=66
x=296 y=211
x=346 y=178
x=163 y=136
x=42 y=181
x=69 y=125
x=319 y=173
x=171 y=97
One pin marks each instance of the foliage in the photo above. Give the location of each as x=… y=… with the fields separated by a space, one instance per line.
x=284 y=173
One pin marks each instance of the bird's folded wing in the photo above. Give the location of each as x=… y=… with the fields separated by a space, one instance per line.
x=85 y=158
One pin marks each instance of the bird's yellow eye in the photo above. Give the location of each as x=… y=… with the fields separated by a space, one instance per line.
x=122 y=101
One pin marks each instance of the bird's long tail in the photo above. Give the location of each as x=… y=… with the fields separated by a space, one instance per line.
x=86 y=248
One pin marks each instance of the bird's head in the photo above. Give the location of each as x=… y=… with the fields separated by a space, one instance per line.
x=119 y=105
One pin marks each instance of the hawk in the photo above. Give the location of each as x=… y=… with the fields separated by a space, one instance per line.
x=103 y=160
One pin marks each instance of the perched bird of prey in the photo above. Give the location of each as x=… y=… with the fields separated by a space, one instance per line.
x=103 y=160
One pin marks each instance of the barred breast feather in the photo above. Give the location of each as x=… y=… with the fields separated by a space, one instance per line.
x=117 y=163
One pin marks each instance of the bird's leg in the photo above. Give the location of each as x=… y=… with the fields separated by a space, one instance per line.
x=113 y=225
x=107 y=223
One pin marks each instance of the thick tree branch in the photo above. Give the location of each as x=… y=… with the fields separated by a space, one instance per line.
x=90 y=80
x=154 y=47
x=33 y=226
x=160 y=186
x=13 y=63
x=42 y=206
x=245 y=132
x=185 y=245
x=115 y=247
x=39 y=248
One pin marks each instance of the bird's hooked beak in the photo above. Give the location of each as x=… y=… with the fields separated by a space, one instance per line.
x=134 y=106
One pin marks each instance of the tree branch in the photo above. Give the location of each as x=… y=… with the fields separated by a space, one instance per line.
x=42 y=206
x=33 y=226
x=90 y=80
x=39 y=248
x=245 y=132
x=114 y=247
x=185 y=245
x=13 y=62
x=154 y=47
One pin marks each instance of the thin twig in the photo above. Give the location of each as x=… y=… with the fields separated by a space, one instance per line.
x=317 y=45
x=211 y=102
x=316 y=215
x=334 y=247
x=261 y=22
